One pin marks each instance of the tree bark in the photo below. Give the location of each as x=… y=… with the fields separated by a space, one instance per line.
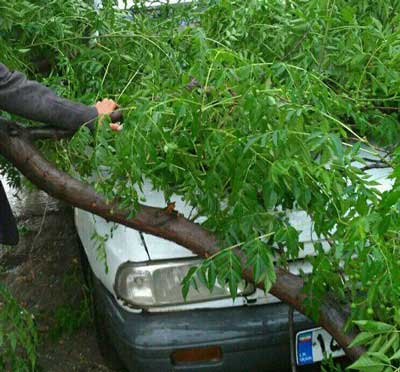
x=16 y=146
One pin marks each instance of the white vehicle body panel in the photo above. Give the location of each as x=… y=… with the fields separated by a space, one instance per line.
x=126 y=244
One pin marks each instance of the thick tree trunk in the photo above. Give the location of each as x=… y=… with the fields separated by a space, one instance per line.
x=16 y=146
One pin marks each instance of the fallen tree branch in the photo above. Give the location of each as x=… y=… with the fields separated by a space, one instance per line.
x=16 y=146
x=47 y=132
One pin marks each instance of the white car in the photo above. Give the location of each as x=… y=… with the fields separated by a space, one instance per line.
x=144 y=324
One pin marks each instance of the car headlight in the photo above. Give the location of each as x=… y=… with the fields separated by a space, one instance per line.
x=159 y=284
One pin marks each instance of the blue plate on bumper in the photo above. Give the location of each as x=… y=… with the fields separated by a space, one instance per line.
x=313 y=345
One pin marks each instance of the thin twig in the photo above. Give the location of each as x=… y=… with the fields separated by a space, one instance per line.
x=35 y=238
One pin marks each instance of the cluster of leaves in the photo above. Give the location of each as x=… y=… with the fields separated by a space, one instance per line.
x=384 y=346
x=18 y=335
x=248 y=110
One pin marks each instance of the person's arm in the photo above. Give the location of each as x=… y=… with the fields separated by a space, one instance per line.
x=34 y=101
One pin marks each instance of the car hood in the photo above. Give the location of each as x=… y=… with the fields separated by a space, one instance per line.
x=161 y=249
x=124 y=244
x=158 y=248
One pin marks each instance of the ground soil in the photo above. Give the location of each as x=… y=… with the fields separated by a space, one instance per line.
x=43 y=272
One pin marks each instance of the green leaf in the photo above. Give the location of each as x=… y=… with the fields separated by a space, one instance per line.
x=365 y=362
x=233 y=284
x=212 y=276
x=381 y=356
x=257 y=268
x=250 y=143
x=185 y=289
x=337 y=147
x=362 y=338
x=374 y=326
x=396 y=355
x=188 y=281
x=268 y=282
x=270 y=196
x=201 y=274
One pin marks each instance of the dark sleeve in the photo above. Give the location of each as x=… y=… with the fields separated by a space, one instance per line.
x=34 y=101
x=8 y=227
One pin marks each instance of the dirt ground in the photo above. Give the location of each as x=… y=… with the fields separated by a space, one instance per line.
x=43 y=272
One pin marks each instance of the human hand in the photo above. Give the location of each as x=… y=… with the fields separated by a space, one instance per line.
x=106 y=107
x=116 y=127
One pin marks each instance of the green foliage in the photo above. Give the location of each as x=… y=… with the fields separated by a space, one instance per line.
x=70 y=318
x=328 y=365
x=247 y=109
x=18 y=335
x=100 y=241
x=76 y=314
x=383 y=341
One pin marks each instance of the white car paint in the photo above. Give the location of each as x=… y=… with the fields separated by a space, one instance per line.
x=126 y=244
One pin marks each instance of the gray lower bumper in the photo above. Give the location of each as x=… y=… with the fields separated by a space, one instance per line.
x=252 y=338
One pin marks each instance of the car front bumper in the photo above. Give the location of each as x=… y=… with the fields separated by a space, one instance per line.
x=252 y=338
